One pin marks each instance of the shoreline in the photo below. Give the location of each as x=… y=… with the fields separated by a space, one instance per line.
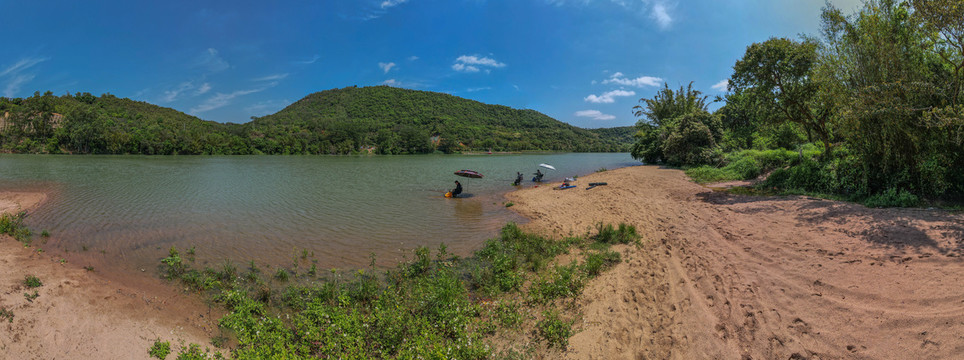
x=717 y=276
x=81 y=314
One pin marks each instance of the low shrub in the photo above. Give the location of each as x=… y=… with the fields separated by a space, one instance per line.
x=553 y=330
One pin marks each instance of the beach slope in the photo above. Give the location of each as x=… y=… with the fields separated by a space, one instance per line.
x=730 y=276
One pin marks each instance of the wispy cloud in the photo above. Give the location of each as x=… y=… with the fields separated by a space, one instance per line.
x=478 y=89
x=220 y=99
x=721 y=86
x=594 y=114
x=266 y=107
x=274 y=77
x=473 y=63
x=212 y=61
x=608 y=97
x=171 y=95
x=16 y=75
x=392 y=3
x=386 y=67
x=204 y=88
x=413 y=58
x=660 y=14
x=620 y=79
x=309 y=61
x=660 y=11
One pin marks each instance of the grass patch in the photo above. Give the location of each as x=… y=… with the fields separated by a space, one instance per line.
x=31 y=296
x=12 y=224
x=553 y=330
x=160 y=349
x=31 y=281
x=749 y=164
x=6 y=314
x=430 y=306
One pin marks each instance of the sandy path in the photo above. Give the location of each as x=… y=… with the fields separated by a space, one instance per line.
x=730 y=277
x=79 y=314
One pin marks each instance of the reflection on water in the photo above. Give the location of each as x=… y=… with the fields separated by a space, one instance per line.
x=128 y=210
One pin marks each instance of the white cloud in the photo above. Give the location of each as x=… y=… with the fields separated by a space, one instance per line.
x=392 y=3
x=309 y=61
x=474 y=63
x=266 y=107
x=478 y=89
x=620 y=79
x=412 y=58
x=212 y=61
x=386 y=67
x=220 y=100
x=21 y=65
x=464 y=68
x=13 y=86
x=721 y=86
x=608 y=97
x=594 y=114
x=171 y=95
x=661 y=15
x=16 y=77
x=205 y=87
x=274 y=77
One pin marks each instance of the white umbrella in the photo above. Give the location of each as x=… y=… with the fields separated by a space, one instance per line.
x=547 y=166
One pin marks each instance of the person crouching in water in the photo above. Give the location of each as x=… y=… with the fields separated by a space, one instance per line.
x=457 y=190
x=518 y=179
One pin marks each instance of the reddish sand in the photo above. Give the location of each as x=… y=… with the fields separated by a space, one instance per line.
x=724 y=276
x=80 y=315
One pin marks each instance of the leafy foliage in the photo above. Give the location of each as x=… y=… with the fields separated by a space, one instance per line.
x=381 y=119
x=438 y=308
x=880 y=92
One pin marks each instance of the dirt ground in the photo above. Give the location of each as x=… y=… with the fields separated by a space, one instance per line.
x=79 y=314
x=722 y=276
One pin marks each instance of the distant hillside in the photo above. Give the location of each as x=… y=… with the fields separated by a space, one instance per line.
x=391 y=120
x=379 y=119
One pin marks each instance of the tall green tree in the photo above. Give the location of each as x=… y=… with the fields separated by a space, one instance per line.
x=675 y=128
x=780 y=74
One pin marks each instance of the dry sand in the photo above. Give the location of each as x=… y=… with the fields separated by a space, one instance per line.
x=724 y=276
x=80 y=314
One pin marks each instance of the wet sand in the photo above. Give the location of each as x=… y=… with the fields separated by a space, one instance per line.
x=80 y=314
x=722 y=276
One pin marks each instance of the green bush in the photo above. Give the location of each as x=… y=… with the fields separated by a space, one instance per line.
x=31 y=281
x=160 y=349
x=892 y=198
x=554 y=330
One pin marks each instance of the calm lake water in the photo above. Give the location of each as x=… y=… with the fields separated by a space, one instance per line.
x=128 y=210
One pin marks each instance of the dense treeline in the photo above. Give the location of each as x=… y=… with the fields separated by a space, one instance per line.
x=870 y=110
x=382 y=120
x=396 y=121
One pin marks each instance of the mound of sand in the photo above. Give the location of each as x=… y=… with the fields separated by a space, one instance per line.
x=744 y=277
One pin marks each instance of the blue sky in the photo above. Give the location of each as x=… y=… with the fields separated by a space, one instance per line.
x=584 y=62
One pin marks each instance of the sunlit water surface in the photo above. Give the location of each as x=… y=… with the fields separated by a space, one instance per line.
x=127 y=211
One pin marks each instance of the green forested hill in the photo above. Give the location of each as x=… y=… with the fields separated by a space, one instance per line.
x=394 y=120
x=379 y=119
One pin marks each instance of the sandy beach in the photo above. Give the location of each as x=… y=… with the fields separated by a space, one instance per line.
x=81 y=315
x=718 y=276
x=722 y=276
